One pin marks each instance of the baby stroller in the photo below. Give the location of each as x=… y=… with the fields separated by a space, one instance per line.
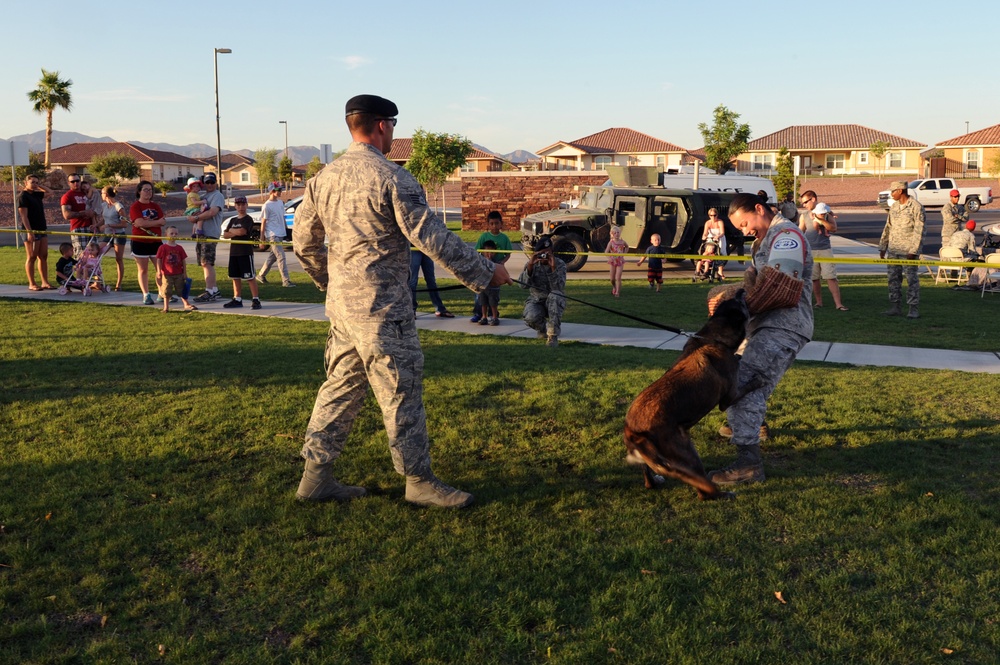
x=87 y=273
x=709 y=269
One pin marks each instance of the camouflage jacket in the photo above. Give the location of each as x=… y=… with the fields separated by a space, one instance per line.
x=370 y=210
x=952 y=215
x=904 y=229
x=542 y=281
x=795 y=319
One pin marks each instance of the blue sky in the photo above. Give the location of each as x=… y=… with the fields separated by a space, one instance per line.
x=507 y=75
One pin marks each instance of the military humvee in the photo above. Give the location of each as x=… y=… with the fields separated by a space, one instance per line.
x=677 y=215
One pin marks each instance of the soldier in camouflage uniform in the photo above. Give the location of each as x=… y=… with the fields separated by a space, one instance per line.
x=902 y=238
x=545 y=276
x=774 y=338
x=370 y=210
x=953 y=217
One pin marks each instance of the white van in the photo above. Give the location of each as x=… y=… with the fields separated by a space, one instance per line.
x=682 y=177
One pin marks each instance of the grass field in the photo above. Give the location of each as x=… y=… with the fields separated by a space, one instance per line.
x=147 y=513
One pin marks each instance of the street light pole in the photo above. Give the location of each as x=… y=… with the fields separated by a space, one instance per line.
x=218 y=133
x=285 y=123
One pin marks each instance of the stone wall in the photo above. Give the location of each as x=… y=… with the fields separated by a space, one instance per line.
x=516 y=194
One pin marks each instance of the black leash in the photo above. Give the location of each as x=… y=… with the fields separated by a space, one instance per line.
x=661 y=326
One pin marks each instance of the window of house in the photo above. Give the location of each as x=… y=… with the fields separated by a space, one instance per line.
x=245 y=177
x=972 y=159
x=762 y=163
x=895 y=160
x=469 y=167
x=661 y=162
x=862 y=158
x=601 y=162
x=835 y=161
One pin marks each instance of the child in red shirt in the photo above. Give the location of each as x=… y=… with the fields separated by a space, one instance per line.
x=171 y=270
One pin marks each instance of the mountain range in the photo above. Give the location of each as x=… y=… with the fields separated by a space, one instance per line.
x=300 y=154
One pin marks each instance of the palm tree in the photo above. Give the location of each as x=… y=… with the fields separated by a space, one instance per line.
x=51 y=93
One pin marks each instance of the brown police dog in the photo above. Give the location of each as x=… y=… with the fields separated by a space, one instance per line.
x=658 y=423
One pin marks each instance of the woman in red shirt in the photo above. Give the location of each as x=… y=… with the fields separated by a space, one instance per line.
x=146 y=217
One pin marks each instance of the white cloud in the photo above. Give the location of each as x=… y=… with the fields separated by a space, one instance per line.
x=354 y=61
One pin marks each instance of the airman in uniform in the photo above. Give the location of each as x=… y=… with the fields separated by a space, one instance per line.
x=902 y=238
x=953 y=216
x=352 y=235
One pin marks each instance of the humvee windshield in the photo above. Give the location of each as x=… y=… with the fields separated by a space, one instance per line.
x=597 y=199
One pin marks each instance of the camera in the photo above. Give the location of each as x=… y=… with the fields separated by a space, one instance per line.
x=543 y=255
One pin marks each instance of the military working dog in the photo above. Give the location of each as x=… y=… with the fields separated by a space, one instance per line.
x=658 y=424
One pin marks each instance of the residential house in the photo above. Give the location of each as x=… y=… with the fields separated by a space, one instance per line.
x=236 y=169
x=479 y=161
x=973 y=155
x=154 y=165
x=832 y=150
x=618 y=146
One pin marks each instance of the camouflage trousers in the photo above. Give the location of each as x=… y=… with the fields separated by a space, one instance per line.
x=545 y=316
x=387 y=357
x=895 y=273
x=768 y=354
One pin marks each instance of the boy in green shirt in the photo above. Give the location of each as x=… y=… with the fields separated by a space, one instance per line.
x=494 y=222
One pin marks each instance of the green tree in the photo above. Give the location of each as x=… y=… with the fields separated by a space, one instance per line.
x=164 y=187
x=724 y=140
x=784 y=179
x=878 y=150
x=113 y=168
x=285 y=170
x=35 y=167
x=436 y=156
x=264 y=163
x=52 y=93
x=313 y=167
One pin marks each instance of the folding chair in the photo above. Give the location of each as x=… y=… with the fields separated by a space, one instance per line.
x=991 y=282
x=956 y=255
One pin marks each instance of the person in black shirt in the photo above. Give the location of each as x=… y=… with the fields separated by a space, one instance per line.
x=31 y=210
x=241 y=256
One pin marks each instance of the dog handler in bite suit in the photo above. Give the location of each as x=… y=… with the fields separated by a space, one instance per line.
x=370 y=210
x=774 y=337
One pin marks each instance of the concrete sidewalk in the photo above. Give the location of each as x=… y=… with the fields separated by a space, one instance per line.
x=850 y=354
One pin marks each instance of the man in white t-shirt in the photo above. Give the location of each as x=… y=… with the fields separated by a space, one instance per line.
x=272 y=232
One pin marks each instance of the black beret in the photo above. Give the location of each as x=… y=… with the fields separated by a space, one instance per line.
x=542 y=243
x=373 y=104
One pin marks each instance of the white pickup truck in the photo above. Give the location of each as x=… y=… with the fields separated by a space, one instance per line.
x=933 y=192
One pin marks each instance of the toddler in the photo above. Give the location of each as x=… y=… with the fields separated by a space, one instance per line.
x=171 y=270
x=65 y=265
x=616 y=263
x=195 y=204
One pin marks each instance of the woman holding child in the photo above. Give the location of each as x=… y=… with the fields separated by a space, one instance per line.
x=146 y=216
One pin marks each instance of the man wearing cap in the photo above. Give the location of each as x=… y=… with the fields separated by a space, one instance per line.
x=74 y=211
x=272 y=231
x=965 y=240
x=352 y=234
x=902 y=238
x=953 y=216
x=545 y=275
x=211 y=226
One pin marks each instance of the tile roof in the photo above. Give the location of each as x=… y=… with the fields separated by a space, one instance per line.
x=402 y=149
x=828 y=137
x=229 y=160
x=988 y=136
x=84 y=153
x=620 y=140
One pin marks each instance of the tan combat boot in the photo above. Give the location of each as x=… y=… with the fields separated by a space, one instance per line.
x=913 y=314
x=553 y=341
x=894 y=310
x=318 y=484
x=427 y=490
x=748 y=468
